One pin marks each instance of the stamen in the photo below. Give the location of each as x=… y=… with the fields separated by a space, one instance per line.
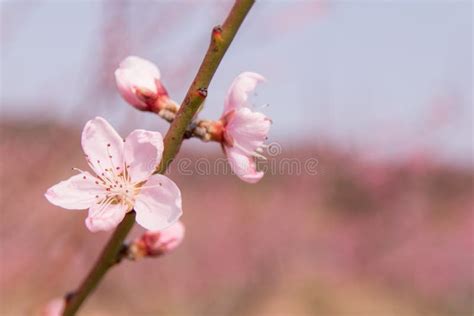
x=150 y=186
x=250 y=153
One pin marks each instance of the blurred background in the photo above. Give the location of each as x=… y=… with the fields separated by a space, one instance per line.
x=378 y=95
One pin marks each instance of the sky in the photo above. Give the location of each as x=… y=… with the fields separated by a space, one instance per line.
x=387 y=76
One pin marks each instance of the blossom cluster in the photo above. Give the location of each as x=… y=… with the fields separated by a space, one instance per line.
x=124 y=174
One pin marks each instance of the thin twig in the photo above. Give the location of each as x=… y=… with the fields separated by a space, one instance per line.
x=220 y=41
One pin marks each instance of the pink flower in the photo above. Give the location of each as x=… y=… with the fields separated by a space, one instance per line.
x=124 y=180
x=138 y=81
x=156 y=243
x=244 y=130
x=54 y=308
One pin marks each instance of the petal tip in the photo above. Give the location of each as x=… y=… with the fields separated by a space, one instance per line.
x=49 y=195
x=253 y=178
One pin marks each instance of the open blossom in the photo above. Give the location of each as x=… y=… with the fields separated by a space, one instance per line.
x=244 y=130
x=156 y=243
x=123 y=180
x=138 y=81
x=54 y=307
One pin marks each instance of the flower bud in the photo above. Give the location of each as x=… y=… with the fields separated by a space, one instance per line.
x=138 y=81
x=157 y=243
x=54 y=307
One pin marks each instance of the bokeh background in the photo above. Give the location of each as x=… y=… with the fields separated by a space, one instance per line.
x=378 y=93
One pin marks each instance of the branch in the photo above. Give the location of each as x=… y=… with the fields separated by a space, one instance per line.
x=106 y=260
x=197 y=128
x=220 y=42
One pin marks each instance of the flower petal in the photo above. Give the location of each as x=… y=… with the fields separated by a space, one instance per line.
x=243 y=165
x=158 y=205
x=105 y=217
x=76 y=193
x=248 y=129
x=103 y=147
x=142 y=152
x=135 y=73
x=238 y=92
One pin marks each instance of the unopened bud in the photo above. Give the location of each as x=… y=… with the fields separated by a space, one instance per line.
x=138 y=81
x=157 y=243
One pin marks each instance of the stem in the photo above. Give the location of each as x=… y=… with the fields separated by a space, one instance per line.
x=220 y=41
x=106 y=260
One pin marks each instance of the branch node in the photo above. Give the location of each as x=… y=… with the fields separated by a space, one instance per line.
x=217 y=33
x=69 y=296
x=202 y=92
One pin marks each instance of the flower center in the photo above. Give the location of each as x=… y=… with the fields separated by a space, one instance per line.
x=115 y=182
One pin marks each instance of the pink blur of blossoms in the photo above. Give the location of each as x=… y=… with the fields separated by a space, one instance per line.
x=243 y=130
x=124 y=180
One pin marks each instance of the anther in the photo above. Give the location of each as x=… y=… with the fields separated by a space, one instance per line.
x=108 y=145
x=84 y=177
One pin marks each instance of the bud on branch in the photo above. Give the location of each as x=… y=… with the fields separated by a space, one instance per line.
x=156 y=243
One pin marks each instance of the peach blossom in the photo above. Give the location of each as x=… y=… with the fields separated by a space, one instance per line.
x=245 y=130
x=123 y=180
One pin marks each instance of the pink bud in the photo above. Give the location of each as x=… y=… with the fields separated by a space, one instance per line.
x=156 y=243
x=55 y=307
x=138 y=81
